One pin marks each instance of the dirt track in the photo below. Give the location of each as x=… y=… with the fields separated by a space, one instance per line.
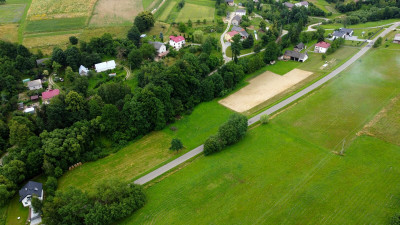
x=263 y=88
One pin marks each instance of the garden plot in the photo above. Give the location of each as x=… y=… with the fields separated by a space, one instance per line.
x=263 y=88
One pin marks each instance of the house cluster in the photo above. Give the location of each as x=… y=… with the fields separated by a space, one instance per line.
x=296 y=54
x=298 y=4
x=26 y=193
x=342 y=33
x=46 y=96
x=236 y=29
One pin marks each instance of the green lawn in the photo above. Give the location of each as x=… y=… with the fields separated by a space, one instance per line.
x=314 y=62
x=360 y=25
x=285 y=172
x=15 y=210
x=345 y=105
x=195 y=12
x=166 y=11
x=151 y=150
x=55 y=25
x=11 y=13
x=242 y=52
x=271 y=177
x=282 y=67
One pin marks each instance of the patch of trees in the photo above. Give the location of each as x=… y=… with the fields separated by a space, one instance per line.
x=378 y=42
x=229 y=133
x=372 y=14
x=111 y=201
x=336 y=44
x=181 y=4
x=144 y=21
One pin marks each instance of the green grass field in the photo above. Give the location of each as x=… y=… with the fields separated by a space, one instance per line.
x=195 y=12
x=167 y=10
x=11 y=13
x=285 y=172
x=15 y=210
x=151 y=150
x=360 y=25
x=55 y=25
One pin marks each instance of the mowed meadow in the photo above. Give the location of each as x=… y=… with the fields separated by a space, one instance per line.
x=286 y=172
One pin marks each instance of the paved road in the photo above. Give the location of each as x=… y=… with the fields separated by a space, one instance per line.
x=163 y=169
x=223 y=44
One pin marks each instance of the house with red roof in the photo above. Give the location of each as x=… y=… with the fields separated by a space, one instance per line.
x=47 y=95
x=230 y=35
x=321 y=47
x=176 y=42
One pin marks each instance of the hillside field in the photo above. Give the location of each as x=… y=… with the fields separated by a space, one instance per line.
x=289 y=165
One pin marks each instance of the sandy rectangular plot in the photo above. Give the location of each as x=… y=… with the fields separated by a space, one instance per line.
x=263 y=88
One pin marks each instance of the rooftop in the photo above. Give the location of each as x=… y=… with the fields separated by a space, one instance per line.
x=241 y=10
x=31 y=188
x=295 y=54
x=157 y=45
x=177 y=38
x=237 y=17
x=323 y=44
x=34 y=83
x=232 y=33
x=50 y=94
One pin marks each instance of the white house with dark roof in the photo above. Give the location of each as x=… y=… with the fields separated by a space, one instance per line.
x=342 y=33
x=29 y=190
x=160 y=48
x=240 y=12
x=35 y=84
x=295 y=56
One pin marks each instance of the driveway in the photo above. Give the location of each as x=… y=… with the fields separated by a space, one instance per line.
x=224 y=44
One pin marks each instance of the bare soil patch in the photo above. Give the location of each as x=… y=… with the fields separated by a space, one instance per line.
x=115 y=12
x=262 y=88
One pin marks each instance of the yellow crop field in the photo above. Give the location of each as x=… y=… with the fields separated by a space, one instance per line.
x=50 y=9
x=9 y=32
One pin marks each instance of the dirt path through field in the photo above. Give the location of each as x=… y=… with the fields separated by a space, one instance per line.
x=263 y=88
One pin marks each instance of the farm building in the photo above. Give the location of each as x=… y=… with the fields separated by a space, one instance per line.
x=29 y=110
x=240 y=12
x=83 y=71
x=160 y=48
x=28 y=190
x=303 y=3
x=321 y=47
x=299 y=47
x=35 y=84
x=396 y=39
x=104 y=66
x=230 y=35
x=176 y=42
x=236 y=20
x=47 y=95
x=230 y=2
x=342 y=33
x=295 y=56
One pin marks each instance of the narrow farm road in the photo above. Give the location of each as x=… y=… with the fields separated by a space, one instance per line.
x=227 y=44
x=128 y=72
x=163 y=169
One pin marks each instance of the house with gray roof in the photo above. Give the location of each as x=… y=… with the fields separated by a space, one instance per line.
x=295 y=56
x=229 y=2
x=236 y=20
x=240 y=12
x=241 y=31
x=35 y=84
x=160 y=48
x=342 y=33
x=288 y=4
x=300 y=46
x=29 y=190
x=41 y=62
